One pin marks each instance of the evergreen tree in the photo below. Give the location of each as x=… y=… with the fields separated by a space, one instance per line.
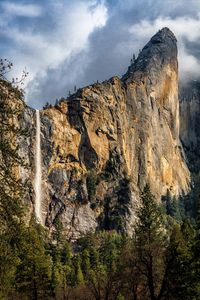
x=57 y=103
x=78 y=271
x=150 y=246
x=180 y=277
x=101 y=264
x=34 y=269
x=86 y=266
x=12 y=188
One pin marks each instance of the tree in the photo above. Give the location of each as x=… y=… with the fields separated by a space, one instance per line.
x=12 y=189
x=58 y=234
x=150 y=247
x=174 y=207
x=57 y=103
x=101 y=265
x=34 y=269
x=78 y=271
x=132 y=277
x=181 y=277
x=91 y=182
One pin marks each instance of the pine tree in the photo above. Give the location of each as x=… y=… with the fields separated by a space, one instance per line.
x=180 y=280
x=34 y=270
x=86 y=266
x=12 y=189
x=78 y=271
x=101 y=264
x=150 y=245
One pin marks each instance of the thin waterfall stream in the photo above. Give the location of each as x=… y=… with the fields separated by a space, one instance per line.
x=38 y=171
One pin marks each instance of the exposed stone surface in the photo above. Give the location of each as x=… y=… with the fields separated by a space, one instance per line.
x=190 y=123
x=104 y=143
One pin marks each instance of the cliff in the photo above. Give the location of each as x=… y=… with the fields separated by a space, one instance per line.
x=190 y=123
x=104 y=143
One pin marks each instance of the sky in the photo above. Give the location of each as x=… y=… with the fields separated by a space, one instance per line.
x=68 y=43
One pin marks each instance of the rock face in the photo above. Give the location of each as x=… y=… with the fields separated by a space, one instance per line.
x=103 y=144
x=190 y=123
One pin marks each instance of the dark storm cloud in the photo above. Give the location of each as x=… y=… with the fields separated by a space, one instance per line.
x=68 y=43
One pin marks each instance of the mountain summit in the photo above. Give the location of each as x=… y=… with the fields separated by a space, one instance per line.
x=159 y=51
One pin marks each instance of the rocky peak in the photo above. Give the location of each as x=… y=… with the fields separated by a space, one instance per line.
x=158 y=52
x=156 y=71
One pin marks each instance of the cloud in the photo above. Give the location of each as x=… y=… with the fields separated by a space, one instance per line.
x=23 y=10
x=72 y=43
x=45 y=49
x=187 y=31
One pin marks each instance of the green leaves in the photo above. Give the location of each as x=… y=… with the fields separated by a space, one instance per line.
x=12 y=189
x=34 y=270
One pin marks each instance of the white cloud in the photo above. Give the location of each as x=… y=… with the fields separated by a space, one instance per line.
x=41 y=51
x=25 y=10
x=65 y=47
x=185 y=29
x=182 y=27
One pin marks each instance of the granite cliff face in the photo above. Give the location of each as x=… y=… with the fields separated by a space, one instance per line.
x=102 y=145
x=190 y=123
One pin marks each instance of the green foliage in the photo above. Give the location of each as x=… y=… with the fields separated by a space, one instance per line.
x=91 y=182
x=116 y=209
x=150 y=245
x=100 y=255
x=34 y=270
x=150 y=227
x=108 y=265
x=174 y=207
x=180 y=277
x=86 y=264
x=8 y=263
x=120 y=297
x=12 y=189
x=78 y=271
x=58 y=230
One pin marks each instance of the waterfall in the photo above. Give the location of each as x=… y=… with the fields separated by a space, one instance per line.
x=38 y=171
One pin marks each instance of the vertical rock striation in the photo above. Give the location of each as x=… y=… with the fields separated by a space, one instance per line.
x=190 y=123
